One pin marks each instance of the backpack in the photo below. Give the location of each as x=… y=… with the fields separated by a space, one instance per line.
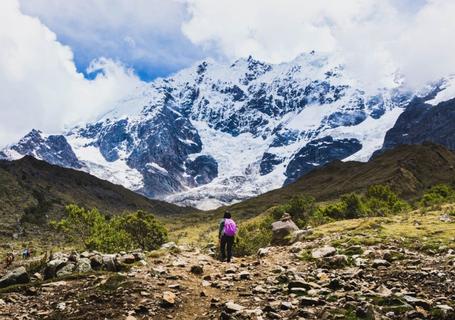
x=230 y=228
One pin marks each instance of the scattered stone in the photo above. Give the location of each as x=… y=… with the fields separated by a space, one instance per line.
x=299 y=284
x=380 y=263
x=384 y=291
x=169 y=246
x=126 y=259
x=325 y=251
x=83 y=265
x=307 y=301
x=109 y=262
x=244 y=275
x=197 y=269
x=286 y=305
x=168 y=299
x=66 y=270
x=417 y=302
x=262 y=252
x=333 y=262
x=231 y=270
x=17 y=276
x=231 y=307
x=52 y=266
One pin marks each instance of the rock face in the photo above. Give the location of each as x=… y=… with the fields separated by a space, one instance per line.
x=422 y=122
x=214 y=134
x=17 y=276
x=319 y=152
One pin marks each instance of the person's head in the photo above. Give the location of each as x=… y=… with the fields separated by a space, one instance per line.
x=227 y=215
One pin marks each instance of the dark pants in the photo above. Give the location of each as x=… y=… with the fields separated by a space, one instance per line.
x=226 y=244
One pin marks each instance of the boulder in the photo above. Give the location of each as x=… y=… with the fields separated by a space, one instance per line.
x=16 y=276
x=282 y=230
x=66 y=270
x=169 y=245
x=325 y=251
x=96 y=261
x=333 y=262
x=126 y=259
x=83 y=265
x=109 y=262
x=168 y=299
x=300 y=235
x=53 y=266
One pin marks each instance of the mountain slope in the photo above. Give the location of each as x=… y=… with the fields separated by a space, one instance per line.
x=33 y=191
x=216 y=134
x=407 y=169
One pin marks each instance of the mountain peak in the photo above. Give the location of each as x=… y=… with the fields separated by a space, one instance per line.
x=217 y=133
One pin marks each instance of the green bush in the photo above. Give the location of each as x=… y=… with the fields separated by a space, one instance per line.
x=253 y=235
x=381 y=201
x=144 y=229
x=438 y=194
x=303 y=210
x=92 y=230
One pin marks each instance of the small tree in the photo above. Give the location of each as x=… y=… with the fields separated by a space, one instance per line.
x=381 y=200
x=143 y=228
x=301 y=208
x=437 y=194
x=91 y=229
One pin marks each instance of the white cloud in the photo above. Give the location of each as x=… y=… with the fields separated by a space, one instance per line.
x=375 y=38
x=40 y=85
x=145 y=34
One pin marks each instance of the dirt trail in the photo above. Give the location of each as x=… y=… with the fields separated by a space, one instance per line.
x=375 y=282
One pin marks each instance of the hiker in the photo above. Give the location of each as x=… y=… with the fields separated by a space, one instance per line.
x=9 y=259
x=226 y=236
x=26 y=253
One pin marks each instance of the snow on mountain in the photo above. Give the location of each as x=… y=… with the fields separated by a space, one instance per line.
x=214 y=134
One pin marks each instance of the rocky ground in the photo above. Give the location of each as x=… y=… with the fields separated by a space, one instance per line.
x=307 y=280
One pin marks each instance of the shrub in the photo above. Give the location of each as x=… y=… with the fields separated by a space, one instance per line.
x=302 y=209
x=437 y=194
x=253 y=235
x=92 y=230
x=381 y=200
x=144 y=229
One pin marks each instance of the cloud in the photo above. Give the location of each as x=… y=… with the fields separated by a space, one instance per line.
x=40 y=84
x=374 y=38
x=144 y=34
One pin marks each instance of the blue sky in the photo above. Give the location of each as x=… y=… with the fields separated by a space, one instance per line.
x=145 y=35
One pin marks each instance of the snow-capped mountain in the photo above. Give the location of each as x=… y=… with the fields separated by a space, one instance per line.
x=217 y=133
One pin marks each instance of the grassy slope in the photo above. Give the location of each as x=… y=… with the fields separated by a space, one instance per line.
x=409 y=170
x=419 y=229
x=35 y=191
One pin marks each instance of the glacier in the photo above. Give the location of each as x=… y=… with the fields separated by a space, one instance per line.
x=217 y=133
